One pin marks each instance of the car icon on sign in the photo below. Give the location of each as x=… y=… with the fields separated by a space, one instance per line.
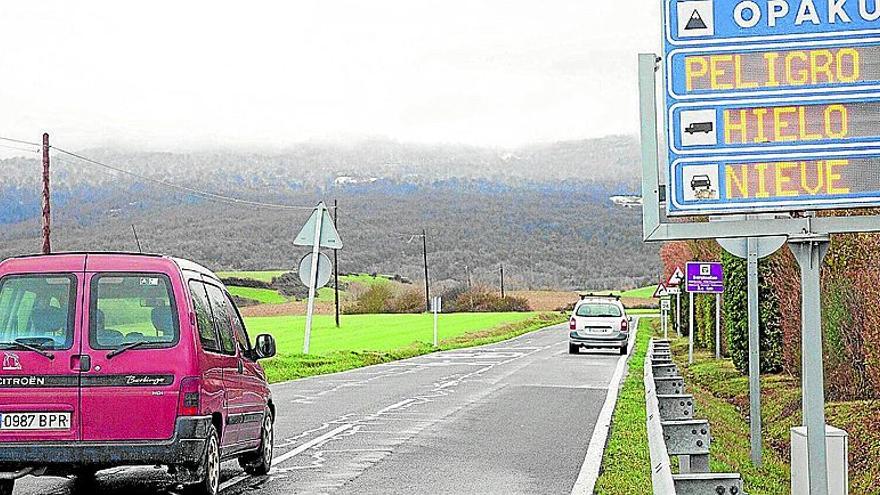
x=704 y=127
x=700 y=182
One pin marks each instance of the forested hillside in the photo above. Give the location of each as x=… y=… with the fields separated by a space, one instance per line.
x=542 y=211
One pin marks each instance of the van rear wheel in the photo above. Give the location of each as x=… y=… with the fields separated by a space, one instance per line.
x=6 y=487
x=260 y=462
x=210 y=468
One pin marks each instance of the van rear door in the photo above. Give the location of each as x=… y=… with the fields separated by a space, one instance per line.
x=40 y=349
x=132 y=336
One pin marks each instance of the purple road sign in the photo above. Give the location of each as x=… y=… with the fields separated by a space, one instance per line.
x=705 y=278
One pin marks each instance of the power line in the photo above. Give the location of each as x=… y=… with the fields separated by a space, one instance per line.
x=198 y=192
x=19 y=141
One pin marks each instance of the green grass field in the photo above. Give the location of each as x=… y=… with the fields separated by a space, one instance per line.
x=262 y=276
x=641 y=293
x=268 y=296
x=374 y=332
x=366 y=340
x=263 y=296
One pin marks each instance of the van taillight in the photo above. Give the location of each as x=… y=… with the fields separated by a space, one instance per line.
x=572 y=324
x=190 y=394
x=624 y=325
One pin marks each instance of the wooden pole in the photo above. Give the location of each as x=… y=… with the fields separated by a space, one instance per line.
x=425 y=256
x=47 y=205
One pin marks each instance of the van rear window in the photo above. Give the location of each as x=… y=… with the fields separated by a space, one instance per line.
x=37 y=310
x=129 y=308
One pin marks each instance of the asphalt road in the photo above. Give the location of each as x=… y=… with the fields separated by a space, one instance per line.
x=514 y=417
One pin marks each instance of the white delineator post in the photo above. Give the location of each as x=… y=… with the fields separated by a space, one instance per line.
x=436 y=308
x=316 y=248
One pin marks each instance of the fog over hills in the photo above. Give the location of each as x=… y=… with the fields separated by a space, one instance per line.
x=543 y=210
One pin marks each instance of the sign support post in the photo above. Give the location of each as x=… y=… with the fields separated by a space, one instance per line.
x=717 y=326
x=754 y=355
x=310 y=311
x=690 y=328
x=809 y=251
x=678 y=314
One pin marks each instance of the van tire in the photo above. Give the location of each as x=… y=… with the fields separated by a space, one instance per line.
x=623 y=351
x=6 y=487
x=260 y=462
x=209 y=468
x=574 y=349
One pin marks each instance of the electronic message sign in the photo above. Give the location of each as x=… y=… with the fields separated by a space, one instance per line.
x=772 y=105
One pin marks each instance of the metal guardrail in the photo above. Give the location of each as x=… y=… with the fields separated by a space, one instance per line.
x=673 y=431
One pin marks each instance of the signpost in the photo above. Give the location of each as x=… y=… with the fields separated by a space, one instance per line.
x=759 y=106
x=704 y=278
x=752 y=249
x=318 y=232
x=673 y=288
x=662 y=293
x=665 y=306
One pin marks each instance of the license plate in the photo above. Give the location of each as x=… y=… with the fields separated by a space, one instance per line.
x=602 y=330
x=34 y=421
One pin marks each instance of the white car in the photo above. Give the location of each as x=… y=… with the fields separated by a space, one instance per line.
x=598 y=322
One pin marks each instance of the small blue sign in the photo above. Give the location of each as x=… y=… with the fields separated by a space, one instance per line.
x=754 y=87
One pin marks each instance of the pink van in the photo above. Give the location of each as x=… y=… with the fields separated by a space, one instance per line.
x=127 y=359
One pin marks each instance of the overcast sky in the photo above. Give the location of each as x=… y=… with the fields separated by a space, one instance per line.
x=187 y=74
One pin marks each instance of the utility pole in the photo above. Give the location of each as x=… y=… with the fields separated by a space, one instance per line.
x=136 y=239
x=425 y=256
x=47 y=207
x=336 y=263
x=502 y=280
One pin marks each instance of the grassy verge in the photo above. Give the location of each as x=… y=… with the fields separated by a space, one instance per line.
x=626 y=464
x=722 y=396
x=337 y=354
x=642 y=311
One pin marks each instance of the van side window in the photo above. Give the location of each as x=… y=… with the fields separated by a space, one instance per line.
x=207 y=335
x=222 y=318
x=238 y=328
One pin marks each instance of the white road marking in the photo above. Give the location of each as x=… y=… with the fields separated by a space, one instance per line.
x=589 y=473
x=295 y=452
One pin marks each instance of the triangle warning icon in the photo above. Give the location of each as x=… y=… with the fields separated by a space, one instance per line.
x=696 y=21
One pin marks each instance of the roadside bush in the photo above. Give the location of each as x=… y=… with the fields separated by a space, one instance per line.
x=245 y=282
x=409 y=300
x=375 y=299
x=481 y=299
x=735 y=307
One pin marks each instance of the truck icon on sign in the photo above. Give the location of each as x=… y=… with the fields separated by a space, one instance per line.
x=704 y=127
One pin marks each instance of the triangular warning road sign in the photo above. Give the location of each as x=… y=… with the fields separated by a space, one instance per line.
x=329 y=236
x=676 y=277
x=696 y=22
x=661 y=291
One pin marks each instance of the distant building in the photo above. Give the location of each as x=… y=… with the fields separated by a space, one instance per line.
x=627 y=201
